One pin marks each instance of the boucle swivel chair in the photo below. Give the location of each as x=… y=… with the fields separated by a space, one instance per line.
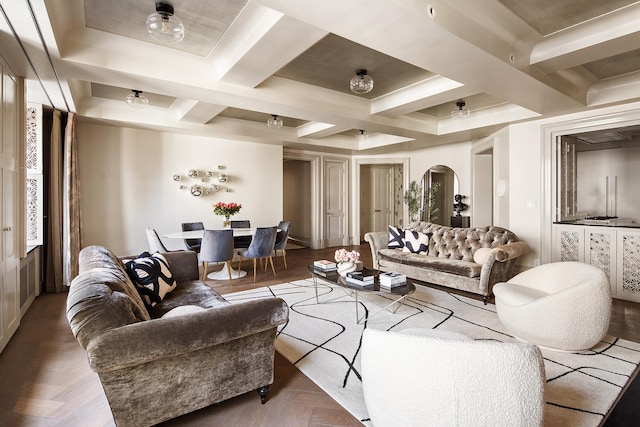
x=448 y=379
x=561 y=306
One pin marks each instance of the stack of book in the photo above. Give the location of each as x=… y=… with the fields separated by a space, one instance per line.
x=362 y=278
x=324 y=267
x=392 y=280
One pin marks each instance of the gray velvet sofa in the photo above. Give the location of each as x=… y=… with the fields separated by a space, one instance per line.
x=450 y=258
x=152 y=368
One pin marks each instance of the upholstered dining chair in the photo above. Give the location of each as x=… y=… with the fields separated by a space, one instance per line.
x=241 y=242
x=193 y=244
x=261 y=247
x=155 y=244
x=281 y=241
x=217 y=246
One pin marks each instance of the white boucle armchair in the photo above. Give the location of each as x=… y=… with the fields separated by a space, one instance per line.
x=429 y=378
x=562 y=306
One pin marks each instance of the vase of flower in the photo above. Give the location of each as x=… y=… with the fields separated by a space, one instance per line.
x=226 y=210
x=347 y=261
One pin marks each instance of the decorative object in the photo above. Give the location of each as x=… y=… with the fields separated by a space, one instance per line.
x=460 y=112
x=458 y=206
x=136 y=100
x=361 y=83
x=412 y=198
x=164 y=25
x=274 y=122
x=201 y=188
x=347 y=261
x=226 y=210
x=324 y=342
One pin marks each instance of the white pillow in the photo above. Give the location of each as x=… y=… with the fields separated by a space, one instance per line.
x=416 y=242
x=183 y=309
x=480 y=255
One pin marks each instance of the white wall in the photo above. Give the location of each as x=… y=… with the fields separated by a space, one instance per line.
x=126 y=184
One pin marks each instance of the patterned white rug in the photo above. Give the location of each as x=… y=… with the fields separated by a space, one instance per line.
x=323 y=341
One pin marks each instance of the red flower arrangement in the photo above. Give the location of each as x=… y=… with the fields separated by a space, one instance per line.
x=226 y=209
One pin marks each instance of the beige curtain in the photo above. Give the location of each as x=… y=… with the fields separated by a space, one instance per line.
x=55 y=277
x=72 y=216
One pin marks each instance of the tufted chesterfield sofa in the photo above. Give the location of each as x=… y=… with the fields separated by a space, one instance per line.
x=450 y=259
x=155 y=366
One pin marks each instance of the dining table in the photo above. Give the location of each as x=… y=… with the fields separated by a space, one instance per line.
x=197 y=234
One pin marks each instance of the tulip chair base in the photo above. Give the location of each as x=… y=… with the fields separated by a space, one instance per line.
x=224 y=275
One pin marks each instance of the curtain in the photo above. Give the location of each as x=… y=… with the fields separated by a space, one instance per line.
x=72 y=216
x=54 y=264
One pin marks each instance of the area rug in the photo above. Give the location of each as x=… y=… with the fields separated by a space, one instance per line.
x=323 y=340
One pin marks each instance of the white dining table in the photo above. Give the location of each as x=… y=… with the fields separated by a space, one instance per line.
x=197 y=234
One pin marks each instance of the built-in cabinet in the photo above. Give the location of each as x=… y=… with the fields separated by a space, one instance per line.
x=616 y=251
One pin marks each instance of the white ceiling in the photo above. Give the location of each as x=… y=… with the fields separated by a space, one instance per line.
x=242 y=61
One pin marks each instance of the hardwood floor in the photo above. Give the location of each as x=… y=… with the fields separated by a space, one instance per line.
x=45 y=379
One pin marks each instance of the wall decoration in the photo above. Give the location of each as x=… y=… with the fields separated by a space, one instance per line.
x=201 y=188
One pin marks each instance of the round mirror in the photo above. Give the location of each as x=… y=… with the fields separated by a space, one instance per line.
x=439 y=186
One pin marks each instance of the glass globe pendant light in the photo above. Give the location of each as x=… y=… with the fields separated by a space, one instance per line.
x=361 y=83
x=163 y=25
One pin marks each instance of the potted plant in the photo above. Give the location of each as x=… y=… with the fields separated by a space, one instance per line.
x=412 y=198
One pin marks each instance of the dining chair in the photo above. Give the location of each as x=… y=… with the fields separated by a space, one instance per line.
x=281 y=241
x=261 y=247
x=193 y=244
x=241 y=242
x=217 y=246
x=155 y=244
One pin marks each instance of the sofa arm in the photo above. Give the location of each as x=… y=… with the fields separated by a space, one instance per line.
x=498 y=266
x=377 y=240
x=155 y=339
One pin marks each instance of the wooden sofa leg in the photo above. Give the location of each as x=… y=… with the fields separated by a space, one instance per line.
x=263 y=391
x=485 y=299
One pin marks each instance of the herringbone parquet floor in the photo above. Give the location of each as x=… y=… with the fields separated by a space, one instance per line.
x=45 y=379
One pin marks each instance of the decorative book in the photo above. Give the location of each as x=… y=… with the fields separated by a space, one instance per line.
x=392 y=280
x=325 y=264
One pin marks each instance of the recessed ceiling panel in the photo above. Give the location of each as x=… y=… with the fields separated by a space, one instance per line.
x=205 y=21
x=549 y=16
x=119 y=93
x=256 y=116
x=474 y=102
x=332 y=63
x=616 y=65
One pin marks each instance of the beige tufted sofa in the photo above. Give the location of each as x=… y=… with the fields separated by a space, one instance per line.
x=450 y=259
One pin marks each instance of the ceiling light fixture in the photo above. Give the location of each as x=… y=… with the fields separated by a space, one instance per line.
x=460 y=112
x=361 y=83
x=163 y=25
x=361 y=136
x=135 y=100
x=274 y=122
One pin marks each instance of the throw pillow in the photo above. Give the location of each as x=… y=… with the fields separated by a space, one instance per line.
x=416 y=242
x=182 y=310
x=151 y=276
x=396 y=238
x=480 y=255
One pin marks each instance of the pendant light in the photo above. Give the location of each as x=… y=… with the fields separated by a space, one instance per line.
x=136 y=100
x=460 y=112
x=361 y=83
x=163 y=25
x=274 y=122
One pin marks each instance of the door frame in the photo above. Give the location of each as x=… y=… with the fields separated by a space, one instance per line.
x=355 y=190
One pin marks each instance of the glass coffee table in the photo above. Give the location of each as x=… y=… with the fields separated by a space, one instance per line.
x=397 y=294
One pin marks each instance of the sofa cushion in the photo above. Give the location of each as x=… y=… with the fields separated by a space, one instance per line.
x=194 y=292
x=396 y=238
x=446 y=265
x=152 y=277
x=480 y=255
x=416 y=242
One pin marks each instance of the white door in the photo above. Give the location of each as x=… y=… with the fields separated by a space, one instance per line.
x=9 y=259
x=377 y=203
x=335 y=203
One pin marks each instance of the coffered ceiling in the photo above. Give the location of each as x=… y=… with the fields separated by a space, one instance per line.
x=243 y=60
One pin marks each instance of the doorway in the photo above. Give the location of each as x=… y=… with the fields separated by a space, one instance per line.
x=381 y=190
x=482 y=194
x=296 y=200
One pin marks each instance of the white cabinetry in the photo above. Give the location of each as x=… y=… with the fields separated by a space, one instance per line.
x=616 y=251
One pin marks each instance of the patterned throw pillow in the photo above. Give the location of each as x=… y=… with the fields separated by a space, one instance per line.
x=396 y=238
x=151 y=276
x=416 y=242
